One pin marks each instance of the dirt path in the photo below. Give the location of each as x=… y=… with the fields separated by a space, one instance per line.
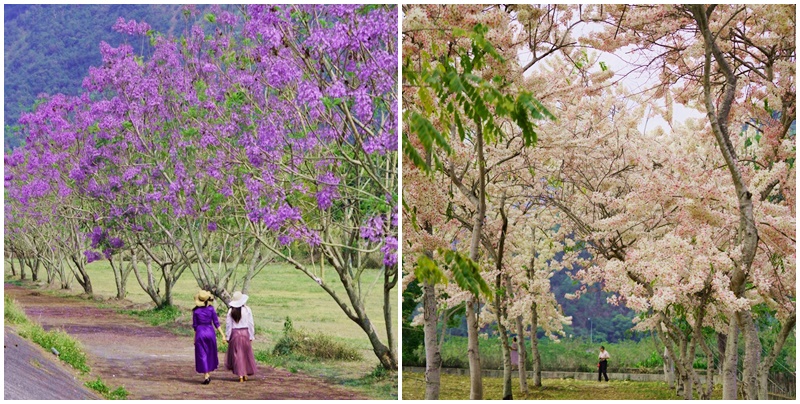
x=153 y=363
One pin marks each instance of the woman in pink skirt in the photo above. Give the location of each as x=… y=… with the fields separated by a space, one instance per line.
x=240 y=332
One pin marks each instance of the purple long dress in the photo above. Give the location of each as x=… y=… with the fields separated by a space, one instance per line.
x=205 y=323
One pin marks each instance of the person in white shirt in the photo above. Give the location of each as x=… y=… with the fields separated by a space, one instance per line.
x=240 y=331
x=603 y=365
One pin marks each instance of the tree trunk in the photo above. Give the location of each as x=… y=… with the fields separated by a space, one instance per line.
x=669 y=370
x=722 y=342
x=473 y=351
x=769 y=360
x=536 y=359
x=11 y=261
x=731 y=363
x=147 y=285
x=752 y=356
x=389 y=283
x=118 y=271
x=22 y=275
x=476 y=382
x=37 y=264
x=506 y=349
x=523 y=357
x=433 y=356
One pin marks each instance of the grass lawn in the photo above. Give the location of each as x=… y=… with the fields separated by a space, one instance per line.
x=457 y=388
x=275 y=293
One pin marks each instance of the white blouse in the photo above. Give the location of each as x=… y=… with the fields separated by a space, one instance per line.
x=245 y=322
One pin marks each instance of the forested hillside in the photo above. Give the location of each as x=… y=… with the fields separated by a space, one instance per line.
x=49 y=48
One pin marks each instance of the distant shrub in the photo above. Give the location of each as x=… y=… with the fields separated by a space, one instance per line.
x=157 y=316
x=316 y=345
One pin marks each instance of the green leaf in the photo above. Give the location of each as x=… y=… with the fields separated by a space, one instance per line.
x=210 y=18
x=427 y=271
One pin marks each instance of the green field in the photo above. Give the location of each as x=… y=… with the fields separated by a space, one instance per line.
x=457 y=388
x=275 y=293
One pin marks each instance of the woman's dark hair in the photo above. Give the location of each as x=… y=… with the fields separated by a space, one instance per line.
x=236 y=314
x=602 y=347
x=206 y=304
x=515 y=339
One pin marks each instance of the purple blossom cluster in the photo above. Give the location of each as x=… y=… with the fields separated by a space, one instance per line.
x=376 y=230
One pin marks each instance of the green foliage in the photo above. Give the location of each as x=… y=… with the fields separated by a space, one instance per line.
x=320 y=346
x=427 y=271
x=653 y=361
x=157 y=316
x=458 y=89
x=69 y=349
x=379 y=373
x=99 y=386
x=413 y=336
x=12 y=313
x=466 y=273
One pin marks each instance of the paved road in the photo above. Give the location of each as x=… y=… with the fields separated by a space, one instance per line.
x=33 y=374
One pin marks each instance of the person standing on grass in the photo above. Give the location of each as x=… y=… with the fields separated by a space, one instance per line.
x=514 y=354
x=240 y=332
x=603 y=365
x=205 y=322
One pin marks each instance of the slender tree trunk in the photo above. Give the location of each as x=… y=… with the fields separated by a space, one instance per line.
x=499 y=301
x=752 y=356
x=37 y=264
x=536 y=359
x=669 y=370
x=13 y=267
x=433 y=356
x=473 y=354
x=523 y=357
x=731 y=363
x=769 y=360
x=389 y=282
x=147 y=285
x=118 y=271
x=473 y=351
x=22 y=275
x=722 y=342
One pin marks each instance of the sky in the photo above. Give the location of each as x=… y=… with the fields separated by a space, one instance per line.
x=618 y=63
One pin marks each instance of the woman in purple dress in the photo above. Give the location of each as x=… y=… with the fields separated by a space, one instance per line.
x=204 y=322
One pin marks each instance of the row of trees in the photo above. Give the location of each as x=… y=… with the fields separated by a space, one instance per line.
x=266 y=131
x=692 y=227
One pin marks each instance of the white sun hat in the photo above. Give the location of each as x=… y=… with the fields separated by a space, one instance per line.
x=238 y=300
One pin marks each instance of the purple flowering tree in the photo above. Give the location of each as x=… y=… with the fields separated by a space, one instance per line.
x=267 y=131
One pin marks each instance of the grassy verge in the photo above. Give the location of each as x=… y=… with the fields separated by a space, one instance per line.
x=457 y=388
x=99 y=386
x=378 y=384
x=69 y=350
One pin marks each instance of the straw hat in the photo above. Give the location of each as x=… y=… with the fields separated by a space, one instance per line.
x=238 y=299
x=202 y=297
